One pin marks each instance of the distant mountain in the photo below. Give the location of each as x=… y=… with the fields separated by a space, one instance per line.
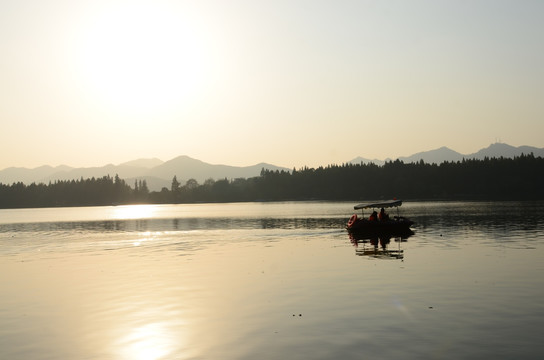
x=16 y=174
x=505 y=150
x=434 y=156
x=123 y=171
x=156 y=173
x=185 y=168
x=442 y=154
x=362 y=160
x=144 y=163
x=159 y=174
x=153 y=183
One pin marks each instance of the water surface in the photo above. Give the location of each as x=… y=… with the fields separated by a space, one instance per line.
x=270 y=281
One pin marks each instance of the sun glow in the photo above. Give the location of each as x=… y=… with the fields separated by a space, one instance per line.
x=141 y=58
x=147 y=342
x=127 y=212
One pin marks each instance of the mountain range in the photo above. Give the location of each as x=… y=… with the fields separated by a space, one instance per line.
x=442 y=154
x=159 y=174
x=155 y=172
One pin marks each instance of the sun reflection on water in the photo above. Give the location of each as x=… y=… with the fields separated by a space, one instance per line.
x=150 y=342
x=145 y=236
x=126 y=212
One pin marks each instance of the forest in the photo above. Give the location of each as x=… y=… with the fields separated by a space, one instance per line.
x=519 y=178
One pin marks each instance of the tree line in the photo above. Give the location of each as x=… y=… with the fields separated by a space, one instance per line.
x=83 y=192
x=518 y=178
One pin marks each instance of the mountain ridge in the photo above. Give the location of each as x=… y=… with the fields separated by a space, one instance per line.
x=157 y=177
x=147 y=162
x=444 y=153
x=159 y=174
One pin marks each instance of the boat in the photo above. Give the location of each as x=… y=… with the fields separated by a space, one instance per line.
x=392 y=225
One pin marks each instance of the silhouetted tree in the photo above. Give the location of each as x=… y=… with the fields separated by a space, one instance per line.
x=175 y=185
x=488 y=179
x=143 y=187
x=191 y=184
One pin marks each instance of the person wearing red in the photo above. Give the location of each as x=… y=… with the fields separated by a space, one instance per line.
x=383 y=216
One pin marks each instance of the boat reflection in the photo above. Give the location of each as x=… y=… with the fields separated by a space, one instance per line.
x=377 y=244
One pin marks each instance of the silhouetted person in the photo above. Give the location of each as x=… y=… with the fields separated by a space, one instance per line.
x=373 y=216
x=383 y=216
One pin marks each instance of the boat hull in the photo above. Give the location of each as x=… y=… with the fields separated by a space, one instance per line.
x=395 y=225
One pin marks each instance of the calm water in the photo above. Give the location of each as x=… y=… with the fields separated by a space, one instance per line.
x=271 y=281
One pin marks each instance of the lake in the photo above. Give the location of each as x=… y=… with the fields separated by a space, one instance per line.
x=271 y=281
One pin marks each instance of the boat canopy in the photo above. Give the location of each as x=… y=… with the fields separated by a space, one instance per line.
x=385 y=204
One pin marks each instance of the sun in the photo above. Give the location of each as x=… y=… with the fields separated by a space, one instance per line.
x=142 y=57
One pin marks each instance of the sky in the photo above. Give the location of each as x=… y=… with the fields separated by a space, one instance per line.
x=291 y=83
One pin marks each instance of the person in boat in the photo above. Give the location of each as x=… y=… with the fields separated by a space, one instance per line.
x=373 y=216
x=383 y=216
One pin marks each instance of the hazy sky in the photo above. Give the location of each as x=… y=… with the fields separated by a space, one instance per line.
x=293 y=83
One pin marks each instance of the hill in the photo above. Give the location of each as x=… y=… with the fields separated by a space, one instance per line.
x=156 y=173
x=500 y=149
x=442 y=154
x=144 y=163
x=489 y=179
x=159 y=174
